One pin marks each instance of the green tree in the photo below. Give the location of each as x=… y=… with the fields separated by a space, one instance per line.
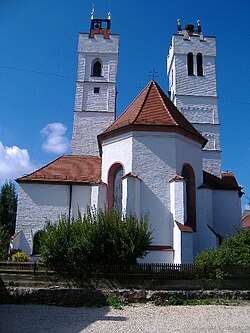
x=4 y=243
x=235 y=250
x=73 y=247
x=8 y=206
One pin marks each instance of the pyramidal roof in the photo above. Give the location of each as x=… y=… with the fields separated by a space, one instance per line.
x=152 y=110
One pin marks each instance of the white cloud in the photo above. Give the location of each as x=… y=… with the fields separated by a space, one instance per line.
x=247 y=206
x=56 y=142
x=14 y=162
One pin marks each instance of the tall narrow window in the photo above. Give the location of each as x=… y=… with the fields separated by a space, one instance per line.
x=118 y=189
x=115 y=187
x=199 y=64
x=190 y=62
x=188 y=174
x=97 y=68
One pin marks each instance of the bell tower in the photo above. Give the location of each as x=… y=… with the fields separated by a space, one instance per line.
x=192 y=87
x=95 y=100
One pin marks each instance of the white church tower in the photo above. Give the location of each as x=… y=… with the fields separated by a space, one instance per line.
x=95 y=101
x=192 y=87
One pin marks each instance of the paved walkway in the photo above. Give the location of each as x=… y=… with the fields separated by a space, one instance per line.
x=132 y=319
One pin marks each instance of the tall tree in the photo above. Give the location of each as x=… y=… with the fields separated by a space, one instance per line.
x=8 y=207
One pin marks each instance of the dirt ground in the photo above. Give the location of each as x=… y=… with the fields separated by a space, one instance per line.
x=131 y=319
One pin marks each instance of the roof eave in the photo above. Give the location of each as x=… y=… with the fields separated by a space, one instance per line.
x=54 y=182
x=150 y=128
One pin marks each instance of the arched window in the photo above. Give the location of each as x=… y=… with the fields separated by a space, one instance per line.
x=37 y=242
x=199 y=64
x=97 y=68
x=190 y=62
x=115 y=187
x=188 y=174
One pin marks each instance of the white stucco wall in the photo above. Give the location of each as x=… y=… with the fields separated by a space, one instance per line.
x=188 y=85
x=99 y=196
x=94 y=112
x=196 y=96
x=132 y=196
x=154 y=162
x=204 y=238
x=81 y=199
x=158 y=257
x=178 y=200
x=117 y=150
x=87 y=125
x=189 y=151
x=226 y=211
x=183 y=243
x=38 y=203
x=155 y=158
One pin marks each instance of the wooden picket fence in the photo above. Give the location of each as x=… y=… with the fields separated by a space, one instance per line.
x=139 y=271
x=34 y=268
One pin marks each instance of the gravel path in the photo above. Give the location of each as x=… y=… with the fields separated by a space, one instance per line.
x=132 y=319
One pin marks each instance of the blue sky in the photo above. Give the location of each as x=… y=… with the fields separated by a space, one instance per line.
x=38 y=67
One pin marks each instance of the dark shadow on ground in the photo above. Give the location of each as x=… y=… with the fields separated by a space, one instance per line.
x=50 y=319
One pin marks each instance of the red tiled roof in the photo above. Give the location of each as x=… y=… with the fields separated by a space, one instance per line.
x=246 y=222
x=226 y=182
x=152 y=110
x=246 y=219
x=67 y=169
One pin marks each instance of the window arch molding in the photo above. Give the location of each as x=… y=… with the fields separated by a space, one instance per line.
x=199 y=61
x=190 y=63
x=189 y=176
x=114 y=190
x=96 y=67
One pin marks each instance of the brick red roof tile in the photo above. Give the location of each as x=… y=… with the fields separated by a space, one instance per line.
x=67 y=169
x=152 y=110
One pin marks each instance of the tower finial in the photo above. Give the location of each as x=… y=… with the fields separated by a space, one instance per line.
x=109 y=15
x=92 y=12
x=199 y=25
x=179 y=24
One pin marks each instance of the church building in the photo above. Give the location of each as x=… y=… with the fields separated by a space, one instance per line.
x=161 y=156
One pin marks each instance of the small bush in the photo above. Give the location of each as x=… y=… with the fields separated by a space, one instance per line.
x=72 y=248
x=20 y=256
x=116 y=302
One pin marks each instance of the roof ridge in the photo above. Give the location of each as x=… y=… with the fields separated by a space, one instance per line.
x=127 y=108
x=149 y=85
x=86 y=156
x=159 y=92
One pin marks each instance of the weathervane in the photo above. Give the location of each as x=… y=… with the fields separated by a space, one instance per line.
x=153 y=74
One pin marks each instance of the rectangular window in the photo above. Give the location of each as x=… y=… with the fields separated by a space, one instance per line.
x=96 y=90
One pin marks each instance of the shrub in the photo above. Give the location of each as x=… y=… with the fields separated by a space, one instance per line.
x=19 y=256
x=73 y=247
x=234 y=251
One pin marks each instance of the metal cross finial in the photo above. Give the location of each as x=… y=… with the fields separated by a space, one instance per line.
x=153 y=74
